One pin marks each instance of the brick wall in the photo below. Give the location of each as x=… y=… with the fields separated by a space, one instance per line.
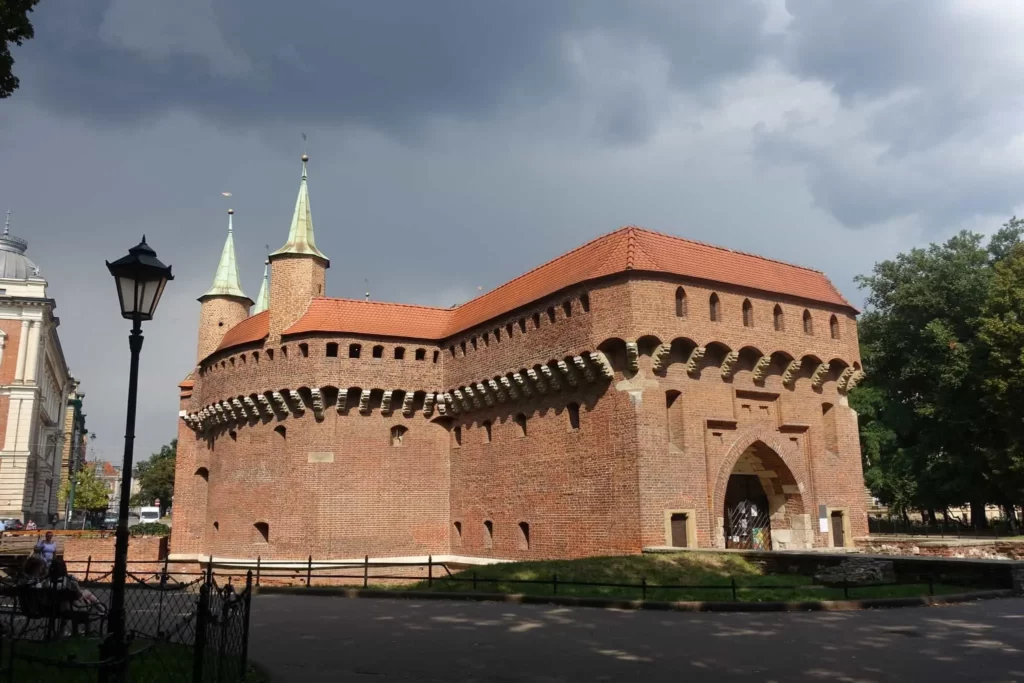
x=144 y=554
x=603 y=489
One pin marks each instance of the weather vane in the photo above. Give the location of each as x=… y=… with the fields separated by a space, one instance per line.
x=303 y=143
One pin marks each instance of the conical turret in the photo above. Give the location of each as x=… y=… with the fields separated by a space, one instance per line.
x=263 y=298
x=298 y=269
x=224 y=305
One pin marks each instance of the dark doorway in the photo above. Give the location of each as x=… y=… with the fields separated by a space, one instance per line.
x=679 y=538
x=747 y=518
x=838 y=537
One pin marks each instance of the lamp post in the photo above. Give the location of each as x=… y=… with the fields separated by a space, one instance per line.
x=140 y=279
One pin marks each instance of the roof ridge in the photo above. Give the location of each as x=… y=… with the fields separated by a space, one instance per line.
x=583 y=246
x=721 y=248
x=385 y=303
x=635 y=246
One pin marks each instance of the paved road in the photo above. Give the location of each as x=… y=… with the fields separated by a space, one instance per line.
x=312 y=639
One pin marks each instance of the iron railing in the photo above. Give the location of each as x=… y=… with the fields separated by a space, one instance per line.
x=180 y=627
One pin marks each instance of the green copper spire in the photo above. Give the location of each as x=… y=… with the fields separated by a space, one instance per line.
x=225 y=282
x=263 y=298
x=300 y=235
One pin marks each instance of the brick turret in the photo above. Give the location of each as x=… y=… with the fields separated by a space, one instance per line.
x=224 y=305
x=298 y=270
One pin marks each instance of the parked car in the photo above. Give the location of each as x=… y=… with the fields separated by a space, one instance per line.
x=13 y=525
x=109 y=523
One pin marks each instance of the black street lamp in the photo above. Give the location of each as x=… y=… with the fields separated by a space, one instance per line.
x=140 y=279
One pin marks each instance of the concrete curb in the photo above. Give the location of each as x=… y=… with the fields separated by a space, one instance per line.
x=612 y=603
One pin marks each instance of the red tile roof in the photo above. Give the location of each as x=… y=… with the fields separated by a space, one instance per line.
x=628 y=248
x=252 y=329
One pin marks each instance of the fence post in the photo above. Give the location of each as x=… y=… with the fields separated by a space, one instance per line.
x=366 y=571
x=245 y=624
x=88 y=567
x=430 y=571
x=258 y=560
x=202 y=616
x=732 y=584
x=309 y=571
x=554 y=584
x=643 y=587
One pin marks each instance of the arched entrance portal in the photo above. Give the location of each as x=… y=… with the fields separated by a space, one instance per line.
x=763 y=507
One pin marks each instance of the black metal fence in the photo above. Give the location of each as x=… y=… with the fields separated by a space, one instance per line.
x=182 y=626
x=941 y=529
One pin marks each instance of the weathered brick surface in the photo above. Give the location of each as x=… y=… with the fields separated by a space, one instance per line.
x=602 y=489
x=144 y=555
x=923 y=547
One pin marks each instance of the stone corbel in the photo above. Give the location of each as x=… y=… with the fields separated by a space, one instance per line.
x=585 y=370
x=229 y=411
x=659 y=360
x=510 y=388
x=695 y=357
x=728 y=363
x=407 y=402
x=428 y=404
x=498 y=391
x=240 y=410
x=385 y=404
x=844 y=378
x=819 y=375
x=251 y=407
x=364 y=402
x=297 y=406
x=761 y=367
x=481 y=390
x=280 y=407
x=264 y=404
x=601 y=361
x=523 y=385
x=855 y=379
x=463 y=401
x=318 y=403
x=538 y=381
x=551 y=377
x=632 y=356
x=790 y=374
x=567 y=372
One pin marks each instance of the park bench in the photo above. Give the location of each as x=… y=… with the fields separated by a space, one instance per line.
x=32 y=604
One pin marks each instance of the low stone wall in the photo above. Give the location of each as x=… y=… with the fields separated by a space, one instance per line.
x=96 y=555
x=982 y=549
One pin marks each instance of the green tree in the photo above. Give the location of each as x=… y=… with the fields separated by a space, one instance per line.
x=156 y=477
x=15 y=29
x=931 y=435
x=1001 y=329
x=90 y=492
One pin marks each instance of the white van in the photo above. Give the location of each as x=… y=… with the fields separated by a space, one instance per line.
x=149 y=514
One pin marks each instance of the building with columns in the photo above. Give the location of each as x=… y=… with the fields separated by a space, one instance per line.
x=34 y=387
x=642 y=390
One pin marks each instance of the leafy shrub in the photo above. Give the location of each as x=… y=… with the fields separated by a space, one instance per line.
x=150 y=529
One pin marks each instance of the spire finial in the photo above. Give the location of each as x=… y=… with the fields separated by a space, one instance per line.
x=231 y=215
x=7 y=223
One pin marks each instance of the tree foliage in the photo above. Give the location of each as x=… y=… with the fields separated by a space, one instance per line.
x=929 y=440
x=15 y=29
x=156 y=478
x=90 y=492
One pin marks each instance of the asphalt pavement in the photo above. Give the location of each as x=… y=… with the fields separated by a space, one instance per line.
x=312 y=639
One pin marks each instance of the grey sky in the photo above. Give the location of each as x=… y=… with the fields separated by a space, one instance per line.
x=458 y=143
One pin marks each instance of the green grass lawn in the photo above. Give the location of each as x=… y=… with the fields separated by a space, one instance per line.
x=151 y=663
x=714 y=572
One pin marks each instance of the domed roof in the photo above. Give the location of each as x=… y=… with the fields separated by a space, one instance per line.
x=14 y=264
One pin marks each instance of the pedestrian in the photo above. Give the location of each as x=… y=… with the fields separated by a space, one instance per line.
x=31 y=526
x=3 y=527
x=47 y=548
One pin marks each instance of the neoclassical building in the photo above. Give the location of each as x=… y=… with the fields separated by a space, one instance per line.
x=641 y=390
x=34 y=387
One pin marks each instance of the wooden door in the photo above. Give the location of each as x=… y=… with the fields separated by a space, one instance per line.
x=679 y=539
x=838 y=537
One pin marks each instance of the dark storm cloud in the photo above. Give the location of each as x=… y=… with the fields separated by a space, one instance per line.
x=387 y=65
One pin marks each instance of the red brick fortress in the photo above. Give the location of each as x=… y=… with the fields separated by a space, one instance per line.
x=641 y=390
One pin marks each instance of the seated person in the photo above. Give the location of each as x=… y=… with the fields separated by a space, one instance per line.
x=83 y=605
x=33 y=571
